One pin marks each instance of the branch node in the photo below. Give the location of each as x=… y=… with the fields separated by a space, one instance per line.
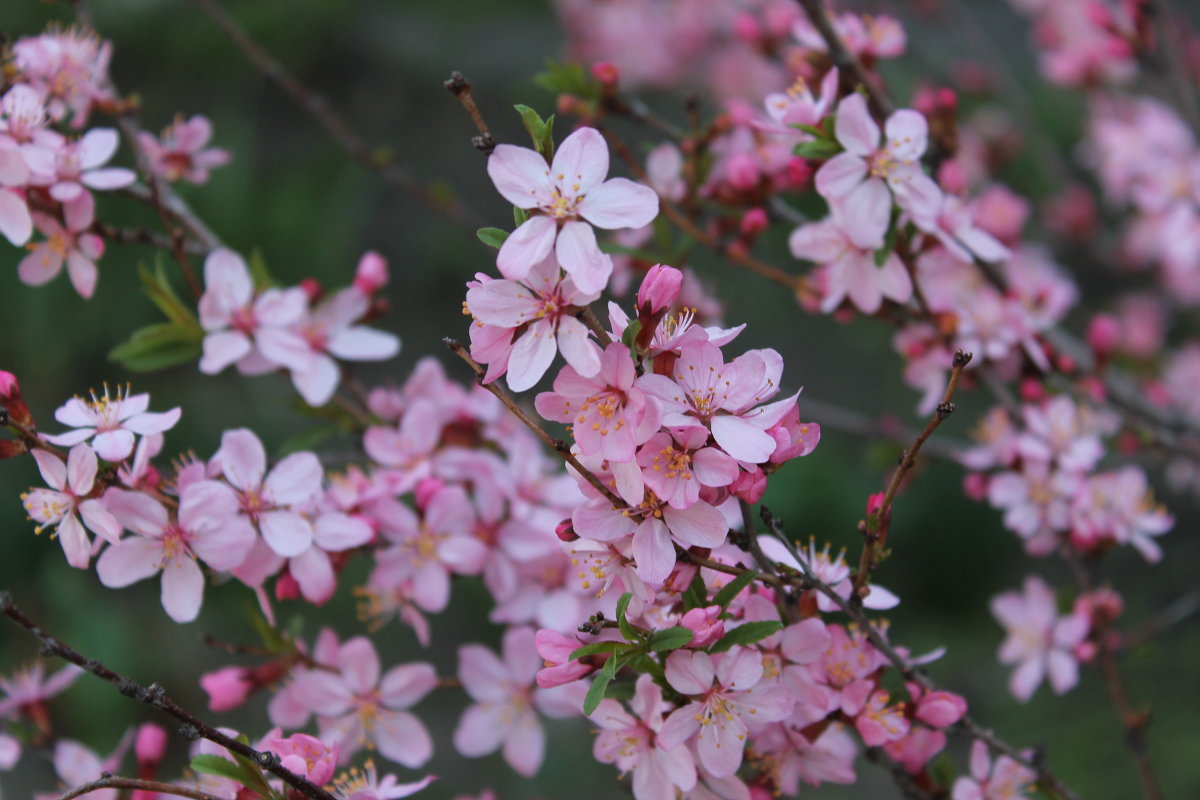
x=962 y=358
x=189 y=732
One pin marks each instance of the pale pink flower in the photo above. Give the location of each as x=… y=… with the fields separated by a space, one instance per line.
x=833 y=572
x=1039 y=641
x=629 y=741
x=29 y=687
x=572 y=187
x=313 y=570
x=181 y=152
x=235 y=318
x=505 y=712
x=207 y=527
x=726 y=702
x=858 y=179
x=76 y=765
x=865 y=35
x=69 y=68
x=1062 y=432
x=676 y=467
x=540 y=310
x=112 y=420
x=664 y=172
x=724 y=397
x=357 y=706
x=953 y=224
x=15 y=221
x=70 y=485
x=1120 y=507
x=70 y=243
x=850 y=270
x=609 y=415
x=798 y=106
x=1006 y=780
x=366 y=784
x=792 y=757
x=1036 y=502
x=79 y=164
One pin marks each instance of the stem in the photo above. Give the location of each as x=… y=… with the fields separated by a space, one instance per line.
x=557 y=445
x=847 y=62
x=155 y=695
x=460 y=87
x=588 y=318
x=158 y=787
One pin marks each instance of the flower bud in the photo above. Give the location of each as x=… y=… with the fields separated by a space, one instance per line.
x=426 y=489
x=754 y=221
x=659 y=290
x=227 y=688
x=741 y=170
x=941 y=709
x=286 y=587
x=1103 y=335
x=11 y=402
x=746 y=28
x=606 y=72
x=312 y=288
x=150 y=744
x=565 y=531
x=749 y=486
x=307 y=756
x=371 y=274
x=705 y=624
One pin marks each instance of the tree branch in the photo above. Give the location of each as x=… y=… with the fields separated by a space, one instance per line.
x=157 y=787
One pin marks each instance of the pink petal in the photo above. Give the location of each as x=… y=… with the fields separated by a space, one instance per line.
x=15 y=222
x=317 y=381
x=582 y=258
x=360 y=343
x=907 y=134
x=146 y=424
x=525 y=745
x=83 y=274
x=855 y=129
x=114 y=445
x=598 y=520
x=402 y=738
x=619 y=203
x=577 y=348
x=242 y=458
x=406 y=685
x=109 y=178
x=690 y=673
x=520 y=175
x=288 y=533
x=580 y=161
x=222 y=349
x=740 y=439
x=74 y=540
x=294 y=480
x=129 y=561
x=483 y=675
x=527 y=245
x=100 y=521
x=701 y=525
x=865 y=213
x=359 y=664
x=504 y=303
x=531 y=356
x=97 y=146
x=480 y=730
x=337 y=532
x=41 y=265
x=1026 y=678
x=840 y=175
x=54 y=471
x=806 y=641
x=182 y=589
x=820 y=242
x=224 y=547
x=227 y=280
x=138 y=512
x=313 y=570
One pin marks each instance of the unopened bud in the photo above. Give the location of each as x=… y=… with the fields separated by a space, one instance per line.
x=286 y=587
x=227 y=688
x=312 y=288
x=371 y=274
x=11 y=401
x=150 y=744
x=606 y=72
x=754 y=221
x=1104 y=334
x=659 y=290
x=565 y=531
x=746 y=28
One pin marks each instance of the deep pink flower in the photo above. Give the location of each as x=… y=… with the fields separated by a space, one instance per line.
x=305 y=755
x=676 y=467
x=566 y=192
x=71 y=483
x=181 y=151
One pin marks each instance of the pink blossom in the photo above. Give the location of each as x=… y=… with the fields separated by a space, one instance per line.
x=30 y=686
x=664 y=172
x=573 y=186
x=227 y=688
x=80 y=164
x=915 y=748
x=181 y=152
x=1005 y=780
x=726 y=702
x=705 y=624
x=629 y=741
x=1036 y=503
x=112 y=420
x=1119 y=506
x=77 y=765
x=850 y=270
x=70 y=243
x=356 y=706
x=1039 y=641
x=954 y=225
x=69 y=68
x=829 y=758
x=305 y=755
x=676 y=467
x=365 y=784
x=207 y=527
x=833 y=572
x=70 y=485
x=797 y=106
x=560 y=668
x=539 y=310
x=876 y=721
x=1061 y=431
x=858 y=179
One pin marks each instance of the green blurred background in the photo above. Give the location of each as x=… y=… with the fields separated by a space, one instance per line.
x=311 y=211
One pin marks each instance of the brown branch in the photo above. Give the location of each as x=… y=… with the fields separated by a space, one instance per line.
x=588 y=318
x=460 y=87
x=379 y=160
x=875 y=527
x=847 y=62
x=557 y=445
x=158 y=787
x=154 y=695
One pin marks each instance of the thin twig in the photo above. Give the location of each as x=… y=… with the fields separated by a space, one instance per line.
x=557 y=445
x=379 y=160
x=847 y=62
x=154 y=695
x=157 y=787
x=460 y=87
x=875 y=527
x=588 y=318
x=1179 y=610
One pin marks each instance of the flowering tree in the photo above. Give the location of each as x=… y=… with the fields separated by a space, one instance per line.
x=611 y=526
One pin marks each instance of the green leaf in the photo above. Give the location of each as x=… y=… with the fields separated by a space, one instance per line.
x=252 y=775
x=271 y=638
x=611 y=665
x=630 y=334
x=626 y=629
x=519 y=216
x=818 y=149
x=158 y=286
x=595 y=694
x=670 y=639
x=748 y=633
x=623 y=604
x=208 y=764
x=696 y=595
x=158 y=346
x=263 y=279
x=598 y=647
x=492 y=237
x=730 y=590
x=812 y=129
x=540 y=131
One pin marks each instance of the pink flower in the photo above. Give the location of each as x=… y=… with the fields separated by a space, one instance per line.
x=609 y=415
x=630 y=742
x=1036 y=503
x=78 y=165
x=71 y=483
x=29 y=687
x=1039 y=641
x=113 y=421
x=207 y=527
x=540 y=310
x=305 y=755
x=833 y=572
x=235 y=320
x=366 y=785
x=69 y=67
x=356 y=706
x=850 y=269
x=720 y=715
x=77 y=765
x=227 y=688
x=675 y=468
x=1006 y=780
x=858 y=179
x=556 y=649
x=1119 y=506
x=70 y=243
x=798 y=106
x=705 y=624
x=570 y=188
x=504 y=715
x=181 y=153
x=876 y=721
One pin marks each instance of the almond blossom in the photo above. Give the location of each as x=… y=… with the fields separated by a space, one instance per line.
x=1006 y=779
x=111 y=422
x=70 y=243
x=70 y=485
x=29 y=687
x=1039 y=641
x=537 y=313
x=850 y=269
x=571 y=189
x=181 y=151
x=79 y=166
x=69 y=68
x=365 y=784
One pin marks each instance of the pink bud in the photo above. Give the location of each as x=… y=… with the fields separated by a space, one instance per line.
x=11 y=401
x=798 y=171
x=426 y=489
x=1085 y=652
x=874 y=503
x=227 y=688
x=286 y=587
x=705 y=624
x=951 y=177
x=941 y=709
x=749 y=486
x=925 y=100
x=754 y=221
x=312 y=288
x=659 y=289
x=741 y=170
x=565 y=531
x=306 y=755
x=746 y=28
x=151 y=743
x=975 y=486
x=606 y=72
x=1032 y=390
x=372 y=273
x=1104 y=334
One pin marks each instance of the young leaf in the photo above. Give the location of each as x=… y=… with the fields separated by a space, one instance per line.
x=568 y=78
x=158 y=346
x=812 y=129
x=696 y=595
x=622 y=604
x=538 y=130
x=630 y=334
x=748 y=633
x=251 y=775
x=670 y=639
x=519 y=216
x=818 y=149
x=492 y=237
x=595 y=693
x=889 y=244
x=730 y=590
x=162 y=294
x=611 y=666
x=598 y=647
x=259 y=272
